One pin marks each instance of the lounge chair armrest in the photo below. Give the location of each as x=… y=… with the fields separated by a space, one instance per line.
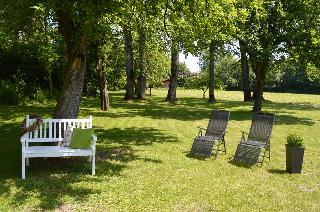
x=200 y=130
x=243 y=138
x=223 y=131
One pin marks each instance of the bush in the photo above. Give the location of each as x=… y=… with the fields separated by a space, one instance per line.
x=8 y=94
x=41 y=96
x=295 y=140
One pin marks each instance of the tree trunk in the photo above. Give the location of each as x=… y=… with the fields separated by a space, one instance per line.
x=172 y=96
x=211 y=72
x=260 y=72
x=129 y=64
x=50 y=82
x=70 y=95
x=103 y=86
x=245 y=71
x=85 y=87
x=142 y=65
x=104 y=95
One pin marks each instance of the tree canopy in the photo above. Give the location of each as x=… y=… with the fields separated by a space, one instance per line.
x=67 y=49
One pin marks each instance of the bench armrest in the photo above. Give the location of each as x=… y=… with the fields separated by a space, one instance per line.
x=24 y=138
x=94 y=140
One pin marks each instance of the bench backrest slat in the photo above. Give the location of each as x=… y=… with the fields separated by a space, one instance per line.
x=52 y=130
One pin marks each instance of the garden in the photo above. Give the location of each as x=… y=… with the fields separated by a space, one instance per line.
x=159 y=105
x=143 y=162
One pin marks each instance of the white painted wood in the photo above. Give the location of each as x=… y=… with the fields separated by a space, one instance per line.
x=47 y=132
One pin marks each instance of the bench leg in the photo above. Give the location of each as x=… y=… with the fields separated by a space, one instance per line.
x=93 y=164
x=23 y=171
x=27 y=162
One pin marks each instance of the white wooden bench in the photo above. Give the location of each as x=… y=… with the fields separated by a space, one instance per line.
x=52 y=130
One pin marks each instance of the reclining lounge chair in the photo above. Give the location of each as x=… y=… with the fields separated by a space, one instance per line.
x=256 y=147
x=214 y=136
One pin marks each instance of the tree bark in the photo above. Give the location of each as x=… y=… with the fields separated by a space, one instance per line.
x=172 y=91
x=104 y=95
x=141 y=95
x=129 y=64
x=211 y=71
x=245 y=71
x=103 y=85
x=260 y=72
x=50 y=82
x=70 y=95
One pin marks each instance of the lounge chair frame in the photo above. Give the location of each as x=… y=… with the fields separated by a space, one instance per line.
x=214 y=137
x=258 y=137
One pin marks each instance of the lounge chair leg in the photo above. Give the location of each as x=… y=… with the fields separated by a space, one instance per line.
x=263 y=157
x=225 y=149
x=217 y=151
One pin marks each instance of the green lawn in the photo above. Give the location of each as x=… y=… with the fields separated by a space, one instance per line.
x=142 y=161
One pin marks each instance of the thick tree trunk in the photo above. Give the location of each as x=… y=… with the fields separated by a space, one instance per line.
x=129 y=64
x=245 y=71
x=142 y=65
x=70 y=95
x=172 y=91
x=260 y=72
x=211 y=71
x=254 y=92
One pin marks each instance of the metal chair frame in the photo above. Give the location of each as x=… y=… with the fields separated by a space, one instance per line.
x=259 y=142
x=217 y=139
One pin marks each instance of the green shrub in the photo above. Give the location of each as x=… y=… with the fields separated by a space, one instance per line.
x=41 y=96
x=9 y=94
x=295 y=140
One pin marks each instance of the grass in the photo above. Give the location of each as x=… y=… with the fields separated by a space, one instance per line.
x=142 y=161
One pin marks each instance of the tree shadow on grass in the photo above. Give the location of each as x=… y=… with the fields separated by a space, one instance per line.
x=240 y=164
x=10 y=150
x=122 y=154
x=191 y=109
x=199 y=157
x=50 y=190
x=14 y=112
x=277 y=171
x=50 y=180
x=133 y=136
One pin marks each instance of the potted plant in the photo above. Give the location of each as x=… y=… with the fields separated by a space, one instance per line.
x=294 y=153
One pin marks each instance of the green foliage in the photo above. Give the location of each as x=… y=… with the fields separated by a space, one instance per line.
x=41 y=96
x=228 y=72
x=289 y=74
x=158 y=64
x=313 y=73
x=295 y=140
x=9 y=93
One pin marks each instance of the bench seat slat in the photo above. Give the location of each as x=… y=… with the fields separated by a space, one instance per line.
x=55 y=151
